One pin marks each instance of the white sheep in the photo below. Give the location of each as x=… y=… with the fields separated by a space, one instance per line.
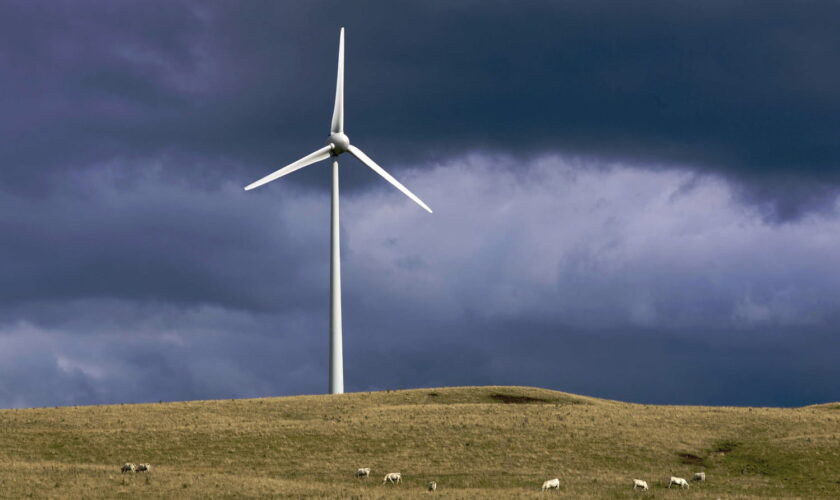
x=392 y=477
x=432 y=486
x=143 y=467
x=638 y=483
x=363 y=472
x=128 y=467
x=551 y=484
x=699 y=476
x=682 y=483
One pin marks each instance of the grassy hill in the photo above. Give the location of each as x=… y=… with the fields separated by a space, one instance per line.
x=476 y=442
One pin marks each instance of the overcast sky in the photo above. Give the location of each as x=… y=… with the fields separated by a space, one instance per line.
x=632 y=200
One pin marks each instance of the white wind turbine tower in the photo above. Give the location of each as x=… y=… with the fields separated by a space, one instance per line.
x=337 y=143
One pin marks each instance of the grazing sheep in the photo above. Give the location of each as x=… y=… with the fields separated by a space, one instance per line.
x=143 y=467
x=682 y=483
x=638 y=483
x=432 y=486
x=392 y=477
x=128 y=467
x=551 y=484
x=699 y=476
x=363 y=472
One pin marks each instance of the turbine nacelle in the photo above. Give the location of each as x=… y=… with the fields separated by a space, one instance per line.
x=339 y=143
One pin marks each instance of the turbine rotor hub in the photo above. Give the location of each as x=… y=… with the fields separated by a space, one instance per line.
x=339 y=142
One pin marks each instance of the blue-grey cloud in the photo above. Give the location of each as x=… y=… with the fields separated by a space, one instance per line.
x=606 y=279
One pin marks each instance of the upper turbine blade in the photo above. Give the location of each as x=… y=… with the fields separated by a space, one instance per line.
x=338 y=111
x=321 y=154
x=358 y=153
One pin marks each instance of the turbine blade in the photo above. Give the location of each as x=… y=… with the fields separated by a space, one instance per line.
x=358 y=153
x=338 y=111
x=321 y=154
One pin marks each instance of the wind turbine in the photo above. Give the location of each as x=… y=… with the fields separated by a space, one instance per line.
x=337 y=143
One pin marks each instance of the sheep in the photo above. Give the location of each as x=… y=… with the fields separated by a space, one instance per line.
x=699 y=476
x=128 y=467
x=143 y=467
x=432 y=486
x=363 y=472
x=682 y=483
x=392 y=477
x=551 y=484
x=638 y=483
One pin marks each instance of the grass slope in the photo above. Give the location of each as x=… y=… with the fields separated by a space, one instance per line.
x=476 y=442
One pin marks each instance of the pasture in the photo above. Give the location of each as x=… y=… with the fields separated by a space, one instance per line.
x=476 y=442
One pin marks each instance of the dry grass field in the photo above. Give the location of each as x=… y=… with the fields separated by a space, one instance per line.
x=476 y=442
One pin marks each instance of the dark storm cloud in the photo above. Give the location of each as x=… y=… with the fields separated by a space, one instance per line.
x=150 y=240
x=175 y=356
x=630 y=365
x=607 y=181
x=746 y=88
